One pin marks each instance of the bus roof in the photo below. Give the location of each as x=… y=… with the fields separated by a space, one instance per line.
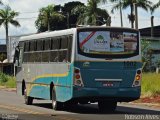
x=48 y=34
x=107 y=27
x=67 y=32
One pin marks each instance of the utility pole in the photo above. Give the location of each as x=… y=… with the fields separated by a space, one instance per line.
x=136 y=16
x=121 y=13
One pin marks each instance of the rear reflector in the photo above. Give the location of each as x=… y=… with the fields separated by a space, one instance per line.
x=77 y=76
x=76 y=71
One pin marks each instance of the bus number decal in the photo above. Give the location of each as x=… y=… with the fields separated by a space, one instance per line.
x=129 y=64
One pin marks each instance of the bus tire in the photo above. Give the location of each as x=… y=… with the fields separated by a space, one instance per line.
x=55 y=104
x=27 y=99
x=107 y=106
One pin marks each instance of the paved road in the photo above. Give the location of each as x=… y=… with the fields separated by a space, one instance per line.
x=12 y=106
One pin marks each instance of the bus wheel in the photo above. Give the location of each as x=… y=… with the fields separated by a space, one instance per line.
x=55 y=104
x=28 y=100
x=107 y=106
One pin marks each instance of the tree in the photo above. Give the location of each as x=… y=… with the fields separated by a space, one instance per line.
x=1 y=2
x=144 y=4
x=156 y=6
x=91 y=14
x=67 y=11
x=49 y=19
x=7 y=16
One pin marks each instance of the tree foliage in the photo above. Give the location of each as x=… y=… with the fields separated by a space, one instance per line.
x=91 y=14
x=1 y=2
x=56 y=17
x=49 y=19
x=155 y=6
x=7 y=16
x=144 y=4
x=67 y=10
x=147 y=56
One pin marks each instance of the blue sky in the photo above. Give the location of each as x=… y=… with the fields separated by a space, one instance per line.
x=28 y=10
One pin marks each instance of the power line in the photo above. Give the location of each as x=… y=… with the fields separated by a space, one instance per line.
x=28 y=12
x=108 y=5
x=28 y=18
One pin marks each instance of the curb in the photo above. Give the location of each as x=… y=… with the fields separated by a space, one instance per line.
x=8 y=89
x=157 y=105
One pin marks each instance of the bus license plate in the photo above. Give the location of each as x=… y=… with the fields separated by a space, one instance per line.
x=108 y=84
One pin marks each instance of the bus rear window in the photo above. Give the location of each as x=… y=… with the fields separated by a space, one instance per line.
x=108 y=43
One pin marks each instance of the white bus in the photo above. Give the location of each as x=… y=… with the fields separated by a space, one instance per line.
x=80 y=66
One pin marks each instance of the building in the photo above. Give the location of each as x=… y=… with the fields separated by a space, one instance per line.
x=3 y=49
x=5 y=66
x=153 y=44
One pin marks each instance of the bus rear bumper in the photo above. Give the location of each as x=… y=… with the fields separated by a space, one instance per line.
x=96 y=94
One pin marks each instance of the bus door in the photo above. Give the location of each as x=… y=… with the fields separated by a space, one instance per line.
x=18 y=61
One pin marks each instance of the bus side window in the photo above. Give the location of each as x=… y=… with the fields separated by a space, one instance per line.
x=55 y=43
x=45 y=53
x=54 y=49
x=39 y=45
x=26 y=46
x=26 y=49
x=31 y=52
x=47 y=44
x=39 y=51
x=63 y=49
x=54 y=56
x=20 y=56
x=64 y=42
x=70 y=39
x=32 y=46
x=63 y=56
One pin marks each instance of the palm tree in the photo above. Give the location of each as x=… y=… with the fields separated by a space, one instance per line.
x=1 y=2
x=156 y=6
x=46 y=16
x=144 y=4
x=7 y=16
x=90 y=14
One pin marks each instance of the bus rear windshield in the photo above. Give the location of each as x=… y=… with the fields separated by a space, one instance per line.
x=108 y=44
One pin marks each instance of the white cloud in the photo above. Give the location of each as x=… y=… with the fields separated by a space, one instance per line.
x=5 y=2
x=28 y=26
x=25 y=8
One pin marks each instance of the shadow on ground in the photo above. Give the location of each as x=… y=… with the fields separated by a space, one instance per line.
x=93 y=109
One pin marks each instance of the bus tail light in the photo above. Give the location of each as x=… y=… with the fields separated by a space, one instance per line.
x=77 y=77
x=138 y=77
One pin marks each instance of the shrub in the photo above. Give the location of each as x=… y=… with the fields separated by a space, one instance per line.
x=150 y=84
x=8 y=81
x=3 y=78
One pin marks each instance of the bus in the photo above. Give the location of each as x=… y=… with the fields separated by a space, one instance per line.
x=80 y=65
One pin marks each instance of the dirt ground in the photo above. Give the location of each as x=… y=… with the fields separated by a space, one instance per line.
x=153 y=99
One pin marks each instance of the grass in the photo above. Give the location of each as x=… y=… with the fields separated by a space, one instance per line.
x=7 y=81
x=150 y=84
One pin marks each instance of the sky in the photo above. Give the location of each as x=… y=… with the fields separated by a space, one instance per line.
x=28 y=10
